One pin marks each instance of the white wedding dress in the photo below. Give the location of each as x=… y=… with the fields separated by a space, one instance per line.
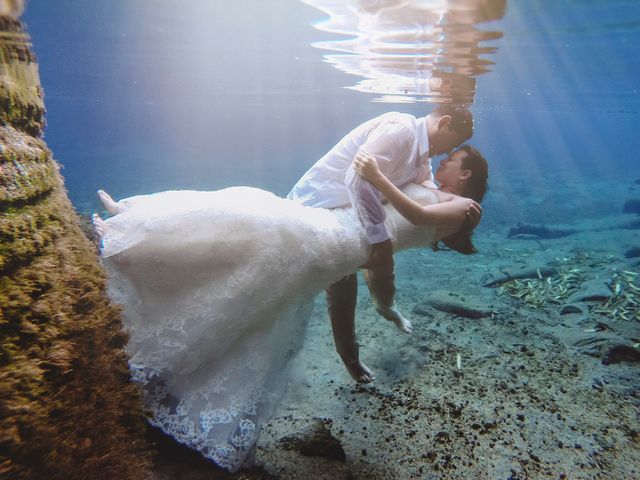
x=216 y=290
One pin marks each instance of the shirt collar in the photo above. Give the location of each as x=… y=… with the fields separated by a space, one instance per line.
x=423 y=137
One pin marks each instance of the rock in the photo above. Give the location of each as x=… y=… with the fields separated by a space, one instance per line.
x=593 y=290
x=622 y=353
x=631 y=206
x=527 y=231
x=595 y=344
x=570 y=308
x=315 y=440
x=68 y=407
x=633 y=252
x=506 y=274
x=455 y=303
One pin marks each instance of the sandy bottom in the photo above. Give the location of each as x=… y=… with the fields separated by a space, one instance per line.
x=532 y=397
x=519 y=393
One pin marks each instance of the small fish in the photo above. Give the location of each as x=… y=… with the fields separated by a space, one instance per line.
x=459 y=361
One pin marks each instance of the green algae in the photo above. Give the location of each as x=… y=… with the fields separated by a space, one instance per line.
x=67 y=406
x=21 y=96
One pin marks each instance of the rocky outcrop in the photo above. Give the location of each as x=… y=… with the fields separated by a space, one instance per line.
x=67 y=408
x=453 y=303
x=315 y=439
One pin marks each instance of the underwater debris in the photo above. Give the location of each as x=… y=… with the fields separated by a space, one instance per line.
x=624 y=302
x=530 y=231
x=572 y=286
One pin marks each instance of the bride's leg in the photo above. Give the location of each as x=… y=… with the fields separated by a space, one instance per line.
x=341 y=298
x=109 y=204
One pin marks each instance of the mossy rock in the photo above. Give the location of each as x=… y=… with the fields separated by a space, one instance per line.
x=26 y=167
x=67 y=406
x=21 y=96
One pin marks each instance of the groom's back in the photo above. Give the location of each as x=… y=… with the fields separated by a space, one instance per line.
x=323 y=185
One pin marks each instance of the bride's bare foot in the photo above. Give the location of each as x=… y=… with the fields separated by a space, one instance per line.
x=360 y=372
x=393 y=315
x=109 y=204
x=99 y=225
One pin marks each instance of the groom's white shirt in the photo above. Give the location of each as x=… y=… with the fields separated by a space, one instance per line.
x=400 y=144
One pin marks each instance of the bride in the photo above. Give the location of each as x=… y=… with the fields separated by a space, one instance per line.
x=216 y=289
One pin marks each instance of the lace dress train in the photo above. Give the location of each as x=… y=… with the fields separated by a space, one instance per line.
x=216 y=290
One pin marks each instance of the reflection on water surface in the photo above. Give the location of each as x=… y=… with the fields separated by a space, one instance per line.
x=412 y=50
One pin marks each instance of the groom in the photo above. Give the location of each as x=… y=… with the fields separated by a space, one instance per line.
x=403 y=146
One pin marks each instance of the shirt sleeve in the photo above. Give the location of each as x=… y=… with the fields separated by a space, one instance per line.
x=366 y=202
x=389 y=143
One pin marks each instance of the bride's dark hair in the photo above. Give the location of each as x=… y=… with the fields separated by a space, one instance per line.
x=475 y=189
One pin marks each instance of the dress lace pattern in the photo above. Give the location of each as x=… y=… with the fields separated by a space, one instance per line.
x=216 y=290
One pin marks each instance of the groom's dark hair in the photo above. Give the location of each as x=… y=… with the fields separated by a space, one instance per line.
x=476 y=189
x=461 y=118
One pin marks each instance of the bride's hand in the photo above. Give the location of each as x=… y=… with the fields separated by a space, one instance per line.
x=473 y=213
x=366 y=166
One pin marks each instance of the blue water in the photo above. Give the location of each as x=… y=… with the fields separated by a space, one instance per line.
x=149 y=95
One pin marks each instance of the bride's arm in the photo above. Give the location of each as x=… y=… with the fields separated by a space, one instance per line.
x=449 y=213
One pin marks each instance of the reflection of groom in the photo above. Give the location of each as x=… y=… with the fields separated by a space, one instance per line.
x=402 y=146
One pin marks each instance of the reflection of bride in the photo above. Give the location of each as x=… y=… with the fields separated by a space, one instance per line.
x=216 y=289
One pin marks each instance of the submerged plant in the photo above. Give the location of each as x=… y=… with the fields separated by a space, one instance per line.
x=541 y=291
x=623 y=302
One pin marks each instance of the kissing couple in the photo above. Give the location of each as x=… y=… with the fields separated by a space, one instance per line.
x=217 y=286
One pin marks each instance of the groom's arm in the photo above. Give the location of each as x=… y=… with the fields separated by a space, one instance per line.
x=390 y=143
x=367 y=205
x=379 y=274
